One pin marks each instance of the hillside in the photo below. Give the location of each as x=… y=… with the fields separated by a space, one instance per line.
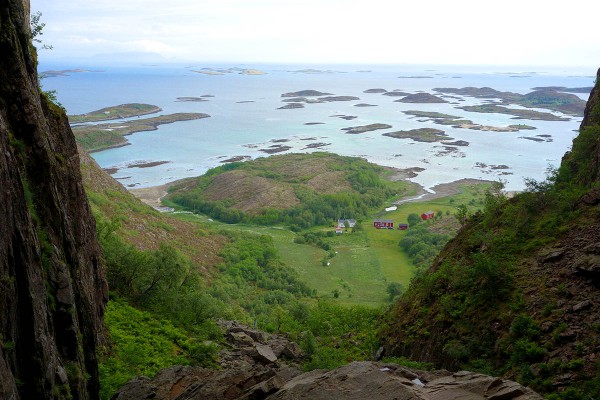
x=517 y=292
x=296 y=189
x=144 y=227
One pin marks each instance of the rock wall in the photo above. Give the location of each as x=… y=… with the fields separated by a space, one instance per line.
x=52 y=286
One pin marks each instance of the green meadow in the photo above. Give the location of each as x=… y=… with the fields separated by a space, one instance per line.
x=365 y=262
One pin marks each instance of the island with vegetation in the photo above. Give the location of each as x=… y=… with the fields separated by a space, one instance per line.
x=516 y=112
x=458 y=122
x=549 y=99
x=99 y=137
x=427 y=135
x=115 y=112
x=421 y=98
x=306 y=93
x=224 y=71
x=354 y=130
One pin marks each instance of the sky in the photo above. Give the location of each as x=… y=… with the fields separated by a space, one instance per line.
x=459 y=32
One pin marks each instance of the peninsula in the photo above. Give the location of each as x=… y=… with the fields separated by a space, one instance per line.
x=115 y=112
x=110 y=135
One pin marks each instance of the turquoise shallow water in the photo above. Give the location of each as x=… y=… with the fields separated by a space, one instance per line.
x=245 y=118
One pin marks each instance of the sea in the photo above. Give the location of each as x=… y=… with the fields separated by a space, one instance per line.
x=246 y=119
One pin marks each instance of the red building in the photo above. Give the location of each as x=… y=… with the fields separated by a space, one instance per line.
x=383 y=224
x=427 y=215
x=403 y=227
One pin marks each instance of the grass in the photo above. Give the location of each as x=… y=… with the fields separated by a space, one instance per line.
x=366 y=261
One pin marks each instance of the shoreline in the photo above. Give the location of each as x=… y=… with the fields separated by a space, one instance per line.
x=441 y=190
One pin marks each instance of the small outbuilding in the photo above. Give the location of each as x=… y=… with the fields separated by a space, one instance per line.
x=383 y=224
x=427 y=215
x=403 y=227
x=342 y=223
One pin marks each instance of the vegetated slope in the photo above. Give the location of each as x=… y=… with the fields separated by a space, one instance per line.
x=141 y=225
x=296 y=189
x=517 y=292
x=52 y=286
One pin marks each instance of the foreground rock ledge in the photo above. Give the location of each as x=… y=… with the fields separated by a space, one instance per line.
x=358 y=380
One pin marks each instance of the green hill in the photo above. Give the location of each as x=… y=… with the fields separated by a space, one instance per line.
x=301 y=190
x=516 y=293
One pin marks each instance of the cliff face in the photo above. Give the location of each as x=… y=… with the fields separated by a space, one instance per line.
x=52 y=287
x=517 y=292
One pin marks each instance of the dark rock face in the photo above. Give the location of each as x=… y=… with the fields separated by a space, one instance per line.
x=358 y=381
x=52 y=287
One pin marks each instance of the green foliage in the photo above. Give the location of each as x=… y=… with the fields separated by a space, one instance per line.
x=394 y=289
x=422 y=245
x=143 y=344
x=413 y=219
x=368 y=192
x=462 y=214
x=37 y=29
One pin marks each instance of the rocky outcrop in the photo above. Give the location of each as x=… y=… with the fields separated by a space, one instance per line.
x=258 y=365
x=358 y=380
x=247 y=346
x=52 y=287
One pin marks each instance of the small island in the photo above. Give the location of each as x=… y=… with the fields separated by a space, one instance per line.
x=427 y=135
x=191 y=99
x=365 y=128
x=546 y=98
x=64 y=72
x=276 y=148
x=290 y=106
x=517 y=113
x=421 y=98
x=375 y=90
x=458 y=122
x=115 y=112
x=306 y=93
x=219 y=71
x=316 y=145
x=583 y=90
x=396 y=93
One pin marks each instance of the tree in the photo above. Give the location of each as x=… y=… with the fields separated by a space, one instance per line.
x=462 y=213
x=394 y=289
x=37 y=29
x=413 y=219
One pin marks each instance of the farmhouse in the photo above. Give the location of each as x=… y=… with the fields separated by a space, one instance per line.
x=342 y=223
x=383 y=224
x=427 y=215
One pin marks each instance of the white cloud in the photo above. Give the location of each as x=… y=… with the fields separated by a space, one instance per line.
x=408 y=31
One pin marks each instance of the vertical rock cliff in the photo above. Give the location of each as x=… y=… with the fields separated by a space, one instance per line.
x=52 y=286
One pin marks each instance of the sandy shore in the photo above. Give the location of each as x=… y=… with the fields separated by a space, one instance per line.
x=152 y=195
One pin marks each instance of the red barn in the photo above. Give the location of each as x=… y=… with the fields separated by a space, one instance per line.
x=383 y=224
x=427 y=215
x=403 y=227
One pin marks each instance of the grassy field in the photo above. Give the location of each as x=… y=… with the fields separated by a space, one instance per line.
x=366 y=261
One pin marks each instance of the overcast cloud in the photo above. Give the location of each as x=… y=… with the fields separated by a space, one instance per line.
x=509 y=32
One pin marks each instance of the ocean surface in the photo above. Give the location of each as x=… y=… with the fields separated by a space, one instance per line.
x=245 y=119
